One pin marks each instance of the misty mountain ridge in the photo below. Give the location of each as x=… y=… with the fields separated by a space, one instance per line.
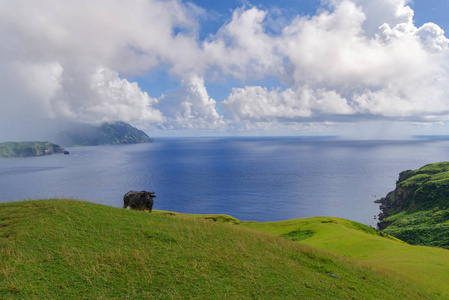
x=105 y=134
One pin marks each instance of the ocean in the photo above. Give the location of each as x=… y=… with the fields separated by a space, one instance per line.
x=251 y=178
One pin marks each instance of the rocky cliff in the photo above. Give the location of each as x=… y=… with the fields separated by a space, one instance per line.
x=417 y=210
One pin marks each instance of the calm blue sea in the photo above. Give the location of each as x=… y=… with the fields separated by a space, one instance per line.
x=260 y=179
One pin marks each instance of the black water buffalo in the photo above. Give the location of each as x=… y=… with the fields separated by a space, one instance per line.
x=139 y=200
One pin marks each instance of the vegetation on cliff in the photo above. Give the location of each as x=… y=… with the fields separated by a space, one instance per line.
x=417 y=211
x=62 y=249
x=105 y=134
x=28 y=149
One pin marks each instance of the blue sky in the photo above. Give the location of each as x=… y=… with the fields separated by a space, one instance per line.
x=431 y=11
x=357 y=68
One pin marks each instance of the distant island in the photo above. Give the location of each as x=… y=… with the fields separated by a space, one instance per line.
x=417 y=211
x=79 y=135
x=105 y=134
x=28 y=149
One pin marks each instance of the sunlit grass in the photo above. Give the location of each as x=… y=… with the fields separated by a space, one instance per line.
x=426 y=267
x=62 y=249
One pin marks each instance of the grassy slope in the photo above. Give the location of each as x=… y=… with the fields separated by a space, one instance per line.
x=418 y=209
x=59 y=249
x=425 y=267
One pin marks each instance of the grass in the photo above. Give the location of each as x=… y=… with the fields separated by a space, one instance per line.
x=63 y=249
x=421 y=228
x=423 y=267
x=419 y=210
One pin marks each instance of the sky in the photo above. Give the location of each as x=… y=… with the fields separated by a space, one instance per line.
x=366 y=69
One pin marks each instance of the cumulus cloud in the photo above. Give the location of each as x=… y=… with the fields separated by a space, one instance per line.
x=432 y=37
x=258 y=104
x=68 y=60
x=190 y=107
x=354 y=59
x=113 y=98
x=339 y=63
x=242 y=48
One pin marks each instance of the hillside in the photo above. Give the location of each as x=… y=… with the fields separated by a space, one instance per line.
x=62 y=249
x=105 y=134
x=417 y=210
x=418 y=266
x=28 y=149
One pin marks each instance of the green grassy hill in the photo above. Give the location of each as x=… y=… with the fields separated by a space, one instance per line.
x=62 y=249
x=417 y=211
x=423 y=267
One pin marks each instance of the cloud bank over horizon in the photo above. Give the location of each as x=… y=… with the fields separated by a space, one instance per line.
x=352 y=61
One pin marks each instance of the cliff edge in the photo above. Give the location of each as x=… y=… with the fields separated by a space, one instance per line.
x=417 y=210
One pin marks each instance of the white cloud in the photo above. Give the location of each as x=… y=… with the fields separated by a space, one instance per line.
x=432 y=36
x=335 y=67
x=113 y=98
x=190 y=107
x=67 y=59
x=328 y=49
x=242 y=48
x=258 y=104
x=70 y=60
x=43 y=79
